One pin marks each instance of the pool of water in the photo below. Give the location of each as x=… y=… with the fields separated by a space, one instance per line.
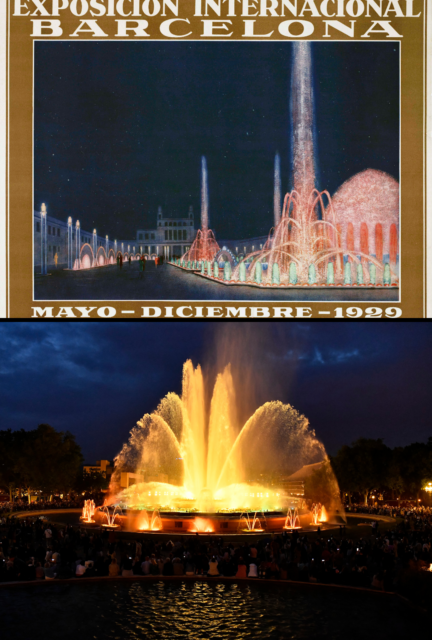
x=201 y=611
x=167 y=282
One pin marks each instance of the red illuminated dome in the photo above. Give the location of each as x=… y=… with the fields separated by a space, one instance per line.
x=367 y=214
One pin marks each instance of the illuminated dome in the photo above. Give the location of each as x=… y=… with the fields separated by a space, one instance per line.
x=367 y=211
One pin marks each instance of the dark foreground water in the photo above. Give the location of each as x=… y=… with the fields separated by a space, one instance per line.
x=201 y=611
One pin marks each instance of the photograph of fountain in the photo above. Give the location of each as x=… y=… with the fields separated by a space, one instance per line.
x=280 y=480
x=183 y=470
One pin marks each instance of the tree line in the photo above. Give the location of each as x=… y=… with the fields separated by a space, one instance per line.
x=43 y=460
x=50 y=461
x=369 y=468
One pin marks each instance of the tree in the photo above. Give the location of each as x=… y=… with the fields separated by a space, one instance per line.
x=363 y=466
x=91 y=482
x=394 y=477
x=344 y=467
x=416 y=466
x=11 y=447
x=49 y=460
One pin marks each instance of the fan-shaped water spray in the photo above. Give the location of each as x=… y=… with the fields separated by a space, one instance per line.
x=187 y=457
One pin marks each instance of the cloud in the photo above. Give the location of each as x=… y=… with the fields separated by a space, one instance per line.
x=97 y=379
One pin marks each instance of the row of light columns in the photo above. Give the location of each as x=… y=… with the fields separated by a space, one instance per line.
x=70 y=259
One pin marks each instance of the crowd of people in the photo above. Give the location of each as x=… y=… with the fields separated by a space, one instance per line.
x=41 y=505
x=392 y=511
x=34 y=549
x=158 y=260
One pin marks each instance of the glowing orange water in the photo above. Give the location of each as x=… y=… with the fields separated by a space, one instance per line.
x=191 y=457
x=88 y=511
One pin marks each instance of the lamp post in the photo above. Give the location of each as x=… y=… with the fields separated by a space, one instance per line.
x=70 y=249
x=428 y=489
x=44 y=248
x=77 y=244
x=94 y=247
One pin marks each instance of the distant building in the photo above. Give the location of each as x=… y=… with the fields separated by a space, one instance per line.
x=103 y=467
x=67 y=240
x=172 y=236
x=294 y=485
x=57 y=241
x=127 y=479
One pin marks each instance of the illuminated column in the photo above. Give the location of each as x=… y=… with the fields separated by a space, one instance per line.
x=106 y=249
x=115 y=249
x=44 y=248
x=277 y=191
x=69 y=241
x=122 y=248
x=77 y=244
x=386 y=242
x=204 y=195
x=94 y=247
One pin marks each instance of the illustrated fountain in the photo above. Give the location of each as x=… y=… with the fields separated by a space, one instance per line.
x=193 y=467
x=204 y=247
x=348 y=240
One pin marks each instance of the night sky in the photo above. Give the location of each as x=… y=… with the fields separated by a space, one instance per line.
x=97 y=379
x=120 y=127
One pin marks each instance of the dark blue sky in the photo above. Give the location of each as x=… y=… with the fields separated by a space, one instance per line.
x=120 y=127
x=97 y=379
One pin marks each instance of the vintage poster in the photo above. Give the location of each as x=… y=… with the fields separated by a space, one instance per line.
x=214 y=158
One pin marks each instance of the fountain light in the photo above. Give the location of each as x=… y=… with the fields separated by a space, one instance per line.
x=111 y=516
x=202 y=525
x=319 y=514
x=88 y=511
x=253 y=525
x=146 y=523
x=292 y=520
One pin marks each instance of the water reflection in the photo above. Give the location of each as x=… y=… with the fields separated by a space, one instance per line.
x=201 y=611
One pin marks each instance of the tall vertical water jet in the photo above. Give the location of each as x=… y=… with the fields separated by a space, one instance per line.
x=277 y=191
x=204 y=247
x=310 y=233
x=302 y=119
x=204 y=196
